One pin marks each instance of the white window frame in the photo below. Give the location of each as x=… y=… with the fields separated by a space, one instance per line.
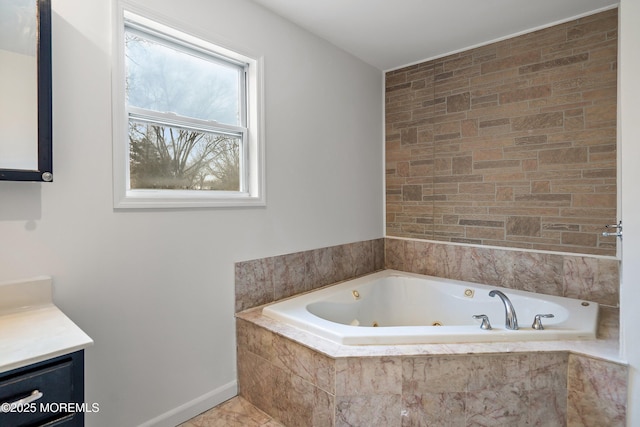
x=253 y=155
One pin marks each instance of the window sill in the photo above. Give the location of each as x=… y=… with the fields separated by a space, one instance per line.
x=170 y=199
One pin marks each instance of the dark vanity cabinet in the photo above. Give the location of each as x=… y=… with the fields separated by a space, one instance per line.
x=48 y=393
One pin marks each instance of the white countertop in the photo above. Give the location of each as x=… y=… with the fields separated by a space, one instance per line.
x=32 y=328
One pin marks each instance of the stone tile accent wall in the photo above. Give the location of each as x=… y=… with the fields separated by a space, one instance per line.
x=264 y=280
x=591 y=278
x=298 y=386
x=510 y=144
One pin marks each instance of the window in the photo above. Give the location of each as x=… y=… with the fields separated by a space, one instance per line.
x=186 y=118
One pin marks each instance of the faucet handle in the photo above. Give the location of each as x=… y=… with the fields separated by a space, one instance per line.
x=485 y=321
x=537 y=322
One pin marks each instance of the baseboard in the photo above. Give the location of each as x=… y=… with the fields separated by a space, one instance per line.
x=184 y=412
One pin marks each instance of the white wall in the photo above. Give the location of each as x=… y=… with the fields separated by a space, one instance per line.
x=155 y=289
x=629 y=103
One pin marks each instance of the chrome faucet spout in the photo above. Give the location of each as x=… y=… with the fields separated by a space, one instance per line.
x=511 y=320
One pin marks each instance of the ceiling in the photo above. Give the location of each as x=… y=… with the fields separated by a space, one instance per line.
x=389 y=34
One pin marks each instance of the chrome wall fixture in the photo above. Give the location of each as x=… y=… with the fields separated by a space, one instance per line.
x=617 y=227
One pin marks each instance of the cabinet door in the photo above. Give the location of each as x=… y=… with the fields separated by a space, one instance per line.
x=44 y=394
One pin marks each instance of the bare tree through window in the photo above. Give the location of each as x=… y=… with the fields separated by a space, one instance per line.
x=173 y=158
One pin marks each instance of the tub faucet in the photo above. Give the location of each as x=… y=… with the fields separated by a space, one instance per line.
x=511 y=320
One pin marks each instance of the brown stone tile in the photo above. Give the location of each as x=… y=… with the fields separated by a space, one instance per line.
x=236 y=412
x=608 y=322
x=457 y=178
x=459 y=102
x=541 y=187
x=506 y=407
x=597 y=392
x=537 y=121
x=560 y=227
x=355 y=376
x=497 y=164
x=574 y=123
x=549 y=372
x=362 y=258
x=432 y=374
x=434 y=409
x=415 y=256
x=411 y=193
x=579 y=239
x=531 y=140
x=531 y=166
x=525 y=94
x=564 y=155
x=547 y=407
x=523 y=226
x=602 y=173
x=602 y=200
x=558 y=62
x=368 y=410
x=254 y=339
x=504 y=194
x=297 y=402
x=492 y=372
x=446 y=136
x=409 y=136
x=606 y=21
x=397 y=87
x=537 y=115
x=481 y=223
x=469 y=128
x=562 y=199
x=514 y=61
x=253 y=283
x=320 y=267
x=255 y=380
x=290 y=275
x=488 y=154
x=593 y=279
x=305 y=363
x=495 y=122
x=394 y=254
x=378 y=246
x=452 y=127
x=477 y=188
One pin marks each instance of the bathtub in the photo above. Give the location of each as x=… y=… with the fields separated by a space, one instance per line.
x=393 y=307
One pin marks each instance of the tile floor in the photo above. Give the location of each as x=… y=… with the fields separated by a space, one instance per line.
x=235 y=412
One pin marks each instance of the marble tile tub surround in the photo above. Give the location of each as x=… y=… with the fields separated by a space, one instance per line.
x=297 y=384
x=299 y=379
x=593 y=278
x=265 y=280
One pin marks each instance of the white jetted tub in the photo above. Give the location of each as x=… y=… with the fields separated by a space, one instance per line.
x=393 y=307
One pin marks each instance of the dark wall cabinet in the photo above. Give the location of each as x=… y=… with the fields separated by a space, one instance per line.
x=49 y=393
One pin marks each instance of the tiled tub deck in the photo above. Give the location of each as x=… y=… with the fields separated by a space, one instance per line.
x=299 y=379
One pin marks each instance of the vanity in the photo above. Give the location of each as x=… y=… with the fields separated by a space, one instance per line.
x=41 y=349
x=41 y=359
